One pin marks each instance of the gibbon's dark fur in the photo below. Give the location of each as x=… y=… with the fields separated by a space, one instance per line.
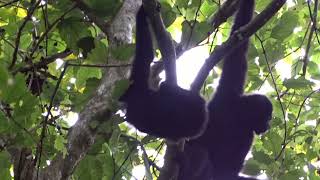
x=171 y=112
x=194 y=163
x=233 y=116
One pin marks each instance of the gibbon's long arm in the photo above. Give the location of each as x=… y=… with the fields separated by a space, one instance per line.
x=235 y=64
x=144 y=52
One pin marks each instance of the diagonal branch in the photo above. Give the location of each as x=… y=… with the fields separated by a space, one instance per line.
x=8 y=3
x=224 y=12
x=235 y=40
x=44 y=62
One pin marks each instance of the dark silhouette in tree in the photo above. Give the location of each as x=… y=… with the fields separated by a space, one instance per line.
x=171 y=112
x=233 y=116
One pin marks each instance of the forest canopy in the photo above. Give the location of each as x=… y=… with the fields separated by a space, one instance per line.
x=69 y=60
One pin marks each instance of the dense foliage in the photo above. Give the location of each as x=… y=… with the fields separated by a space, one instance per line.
x=53 y=56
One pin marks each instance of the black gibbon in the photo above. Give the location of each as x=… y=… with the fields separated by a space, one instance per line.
x=233 y=116
x=171 y=112
x=194 y=163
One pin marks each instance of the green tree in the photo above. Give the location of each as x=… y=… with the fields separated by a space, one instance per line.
x=69 y=58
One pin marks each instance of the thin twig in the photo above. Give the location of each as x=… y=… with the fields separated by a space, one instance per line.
x=100 y=65
x=277 y=92
x=45 y=123
x=17 y=42
x=8 y=3
x=313 y=29
x=50 y=27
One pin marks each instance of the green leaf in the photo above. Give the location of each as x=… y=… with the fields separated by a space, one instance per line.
x=22 y=138
x=120 y=88
x=22 y=112
x=182 y=3
x=4 y=76
x=313 y=70
x=276 y=50
x=105 y=8
x=123 y=52
x=294 y=174
x=59 y=144
x=199 y=32
x=297 y=67
x=109 y=166
x=273 y=142
x=251 y=167
x=71 y=29
x=285 y=26
x=167 y=14
x=253 y=52
x=207 y=10
x=3 y=123
x=86 y=73
x=300 y=83
x=99 y=54
x=262 y=157
x=109 y=125
x=97 y=146
x=261 y=5
x=195 y=4
x=4 y=160
x=16 y=89
x=5 y=165
x=314 y=175
x=79 y=100
x=91 y=85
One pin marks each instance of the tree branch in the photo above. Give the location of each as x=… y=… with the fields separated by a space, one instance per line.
x=44 y=62
x=226 y=10
x=81 y=136
x=235 y=40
